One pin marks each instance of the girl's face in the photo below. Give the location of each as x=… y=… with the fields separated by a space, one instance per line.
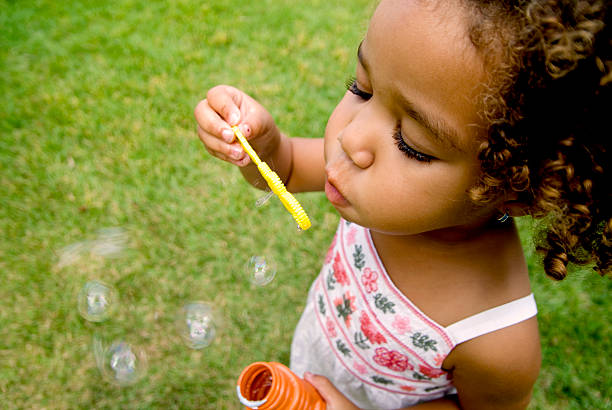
x=400 y=147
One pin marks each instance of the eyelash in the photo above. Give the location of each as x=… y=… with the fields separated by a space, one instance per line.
x=351 y=85
x=407 y=149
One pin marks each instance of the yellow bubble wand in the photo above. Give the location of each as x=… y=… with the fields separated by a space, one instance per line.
x=275 y=183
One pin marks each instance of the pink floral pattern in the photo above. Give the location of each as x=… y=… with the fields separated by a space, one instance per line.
x=401 y=324
x=330 y=251
x=392 y=359
x=369 y=330
x=331 y=327
x=339 y=271
x=361 y=368
x=439 y=359
x=368 y=279
x=350 y=236
x=345 y=306
x=431 y=372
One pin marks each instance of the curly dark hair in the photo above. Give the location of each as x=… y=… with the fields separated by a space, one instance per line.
x=548 y=110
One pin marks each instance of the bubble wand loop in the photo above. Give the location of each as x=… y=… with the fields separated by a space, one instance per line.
x=275 y=183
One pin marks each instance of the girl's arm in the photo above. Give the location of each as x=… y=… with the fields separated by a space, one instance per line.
x=498 y=370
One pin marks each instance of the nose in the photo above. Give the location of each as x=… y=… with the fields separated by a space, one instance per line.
x=357 y=142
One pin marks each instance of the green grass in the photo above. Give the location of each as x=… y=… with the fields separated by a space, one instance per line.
x=96 y=130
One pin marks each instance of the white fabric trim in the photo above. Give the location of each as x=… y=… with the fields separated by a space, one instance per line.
x=493 y=319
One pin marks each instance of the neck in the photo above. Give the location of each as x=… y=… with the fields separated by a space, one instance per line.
x=487 y=237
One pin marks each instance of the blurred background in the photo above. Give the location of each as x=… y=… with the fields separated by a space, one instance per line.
x=103 y=180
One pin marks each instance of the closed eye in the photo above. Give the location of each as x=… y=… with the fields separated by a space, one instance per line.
x=408 y=150
x=351 y=85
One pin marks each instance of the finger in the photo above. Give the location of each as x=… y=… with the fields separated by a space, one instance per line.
x=211 y=122
x=242 y=162
x=237 y=108
x=332 y=396
x=226 y=101
x=232 y=153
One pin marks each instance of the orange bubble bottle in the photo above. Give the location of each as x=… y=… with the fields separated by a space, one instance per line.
x=272 y=386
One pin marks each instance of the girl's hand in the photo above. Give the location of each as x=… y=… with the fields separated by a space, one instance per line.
x=334 y=400
x=226 y=106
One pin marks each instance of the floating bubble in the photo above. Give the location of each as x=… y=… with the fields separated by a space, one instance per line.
x=196 y=324
x=110 y=242
x=260 y=270
x=72 y=253
x=120 y=363
x=261 y=184
x=96 y=301
x=264 y=198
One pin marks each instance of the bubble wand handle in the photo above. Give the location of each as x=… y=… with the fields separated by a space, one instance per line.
x=274 y=182
x=246 y=146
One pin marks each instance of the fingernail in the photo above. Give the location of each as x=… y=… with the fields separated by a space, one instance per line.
x=244 y=161
x=246 y=130
x=236 y=152
x=233 y=118
x=228 y=135
x=307 y=376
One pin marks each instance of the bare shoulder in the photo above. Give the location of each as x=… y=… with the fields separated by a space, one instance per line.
x=497 y=370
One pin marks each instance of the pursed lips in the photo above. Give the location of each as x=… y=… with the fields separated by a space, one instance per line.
x=331 y=189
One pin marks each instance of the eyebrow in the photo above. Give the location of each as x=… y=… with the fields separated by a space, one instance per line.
x=442 y=132
x=360 y=57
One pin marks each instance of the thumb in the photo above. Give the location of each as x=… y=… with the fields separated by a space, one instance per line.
x=226 y=100
x=332 y=396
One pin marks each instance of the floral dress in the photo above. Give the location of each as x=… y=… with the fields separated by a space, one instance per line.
x=373 y=344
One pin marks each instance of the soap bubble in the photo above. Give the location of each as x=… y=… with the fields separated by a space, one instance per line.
x=196 y=324
x=72 y=253
x=96 y=301
x=261 y=184
x=107 y=243
x=110 y=242
x=260 y=270
x=264 y=198
x=120 y=362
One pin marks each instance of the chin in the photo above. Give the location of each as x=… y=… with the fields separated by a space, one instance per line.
x=347 y=215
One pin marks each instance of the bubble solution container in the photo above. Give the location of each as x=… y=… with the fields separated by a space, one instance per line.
x=272 y=386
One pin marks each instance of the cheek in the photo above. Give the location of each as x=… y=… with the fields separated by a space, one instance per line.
x=437 y=186
x=341 y=115
x=338 y=119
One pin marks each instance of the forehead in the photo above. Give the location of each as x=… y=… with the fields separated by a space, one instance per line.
x=422 y=50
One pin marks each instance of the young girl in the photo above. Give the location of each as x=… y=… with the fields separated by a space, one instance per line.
x=461 y=114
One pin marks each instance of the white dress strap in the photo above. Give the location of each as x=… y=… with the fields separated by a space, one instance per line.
x=493 y=319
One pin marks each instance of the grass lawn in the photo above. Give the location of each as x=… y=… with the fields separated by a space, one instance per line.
x=96 y=130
